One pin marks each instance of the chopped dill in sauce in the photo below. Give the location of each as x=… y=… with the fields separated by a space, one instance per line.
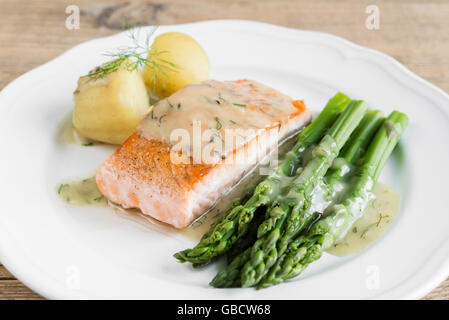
x=220 y=97
x=219 y=125
x=82 y=192
x=374 y=222
x=161 y=117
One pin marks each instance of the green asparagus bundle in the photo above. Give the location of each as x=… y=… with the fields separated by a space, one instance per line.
x=279 y=219
x=308 y=248
x=235 y=224
x=351 y=153
x=230 y=276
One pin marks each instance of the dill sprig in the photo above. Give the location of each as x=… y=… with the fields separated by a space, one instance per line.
x=135 y=57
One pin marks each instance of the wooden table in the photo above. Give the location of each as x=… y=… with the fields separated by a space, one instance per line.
x=414 y=32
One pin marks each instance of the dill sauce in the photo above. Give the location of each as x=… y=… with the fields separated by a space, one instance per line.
x=213 y=107
x=375 y=221
x=68 y=134
x=82 y=192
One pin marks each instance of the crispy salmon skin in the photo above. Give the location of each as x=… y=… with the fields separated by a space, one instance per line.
x=142 y=174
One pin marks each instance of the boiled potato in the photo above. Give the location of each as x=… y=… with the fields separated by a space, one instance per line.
x=109 y=109
x=192 y=64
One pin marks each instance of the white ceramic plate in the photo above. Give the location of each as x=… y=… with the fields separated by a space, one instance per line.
x=62 y=251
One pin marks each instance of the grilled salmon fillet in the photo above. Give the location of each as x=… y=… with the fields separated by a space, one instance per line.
x=142 y=173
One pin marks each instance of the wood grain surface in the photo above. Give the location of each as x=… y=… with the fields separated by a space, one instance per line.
x=414 y=32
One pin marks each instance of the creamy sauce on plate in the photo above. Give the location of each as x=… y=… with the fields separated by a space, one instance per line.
x=68 y=134
x=82 y=192
x=375 y=221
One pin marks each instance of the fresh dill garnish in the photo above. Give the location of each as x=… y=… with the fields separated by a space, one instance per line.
x=219 y=125
x=232 y=121
x=179 y=106
x=239 y=105
x=169 y=103
x=152 y=115
x=135 y=57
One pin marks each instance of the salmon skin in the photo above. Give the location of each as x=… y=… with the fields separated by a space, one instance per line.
x=142 y=174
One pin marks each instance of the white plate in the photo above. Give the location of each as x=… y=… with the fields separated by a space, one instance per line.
x=62 y=251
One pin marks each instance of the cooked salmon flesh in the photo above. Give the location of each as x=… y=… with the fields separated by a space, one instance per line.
x=177 y=186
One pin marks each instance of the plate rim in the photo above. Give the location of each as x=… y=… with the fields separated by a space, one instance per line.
x=13 y=260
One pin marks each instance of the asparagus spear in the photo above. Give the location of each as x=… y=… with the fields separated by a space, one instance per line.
x=286 y=219
x=264 y=252
x=235 y=224
x=308 y=248
x=248 y=239
x=354 y=147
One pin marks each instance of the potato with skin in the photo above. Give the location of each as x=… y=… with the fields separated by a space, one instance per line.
x=190 y=60
x=109 y=109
